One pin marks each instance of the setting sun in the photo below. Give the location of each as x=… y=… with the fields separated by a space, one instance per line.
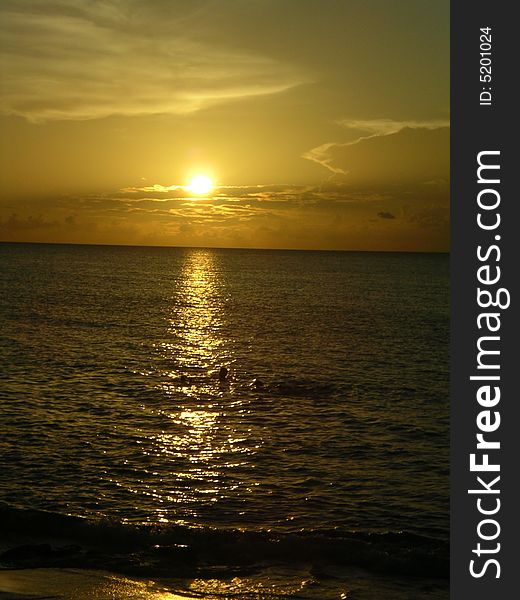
x=200 y=185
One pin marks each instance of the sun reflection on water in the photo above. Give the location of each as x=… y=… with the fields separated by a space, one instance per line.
x=198 y=324
x=203 y=443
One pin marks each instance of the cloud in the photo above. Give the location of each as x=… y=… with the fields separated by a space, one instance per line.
x=378 y=127
x=385 y=215
x=15 y=223
x=333 y=216
x=226 y=205
x=233 y=206
x=90 y=59
x=387 y=157
x=265 y=195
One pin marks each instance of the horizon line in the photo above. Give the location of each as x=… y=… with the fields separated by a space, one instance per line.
x=227 y=247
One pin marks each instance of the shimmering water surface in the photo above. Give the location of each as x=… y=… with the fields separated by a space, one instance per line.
x=111 y=405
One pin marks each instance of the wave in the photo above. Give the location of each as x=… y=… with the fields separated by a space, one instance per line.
x=34 y=538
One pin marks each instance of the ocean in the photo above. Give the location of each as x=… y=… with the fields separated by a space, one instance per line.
x=317 y=468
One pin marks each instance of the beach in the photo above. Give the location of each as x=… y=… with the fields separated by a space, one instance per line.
x=40 y=584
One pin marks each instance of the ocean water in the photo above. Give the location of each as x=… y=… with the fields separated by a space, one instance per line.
x=319 y=467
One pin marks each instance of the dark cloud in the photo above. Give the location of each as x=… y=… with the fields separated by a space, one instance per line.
x=408 y=156
x=15 y=223
x=385 y=215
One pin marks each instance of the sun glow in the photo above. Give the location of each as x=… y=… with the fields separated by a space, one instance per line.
x=200 y=185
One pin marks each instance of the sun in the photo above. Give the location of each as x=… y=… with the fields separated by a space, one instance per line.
x=200 y=185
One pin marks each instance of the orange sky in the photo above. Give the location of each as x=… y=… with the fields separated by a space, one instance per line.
x=323 y=123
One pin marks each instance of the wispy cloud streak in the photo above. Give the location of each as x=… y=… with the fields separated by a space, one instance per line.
x=90 y=59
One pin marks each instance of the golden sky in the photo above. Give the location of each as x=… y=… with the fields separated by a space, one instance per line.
x=323 y=124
